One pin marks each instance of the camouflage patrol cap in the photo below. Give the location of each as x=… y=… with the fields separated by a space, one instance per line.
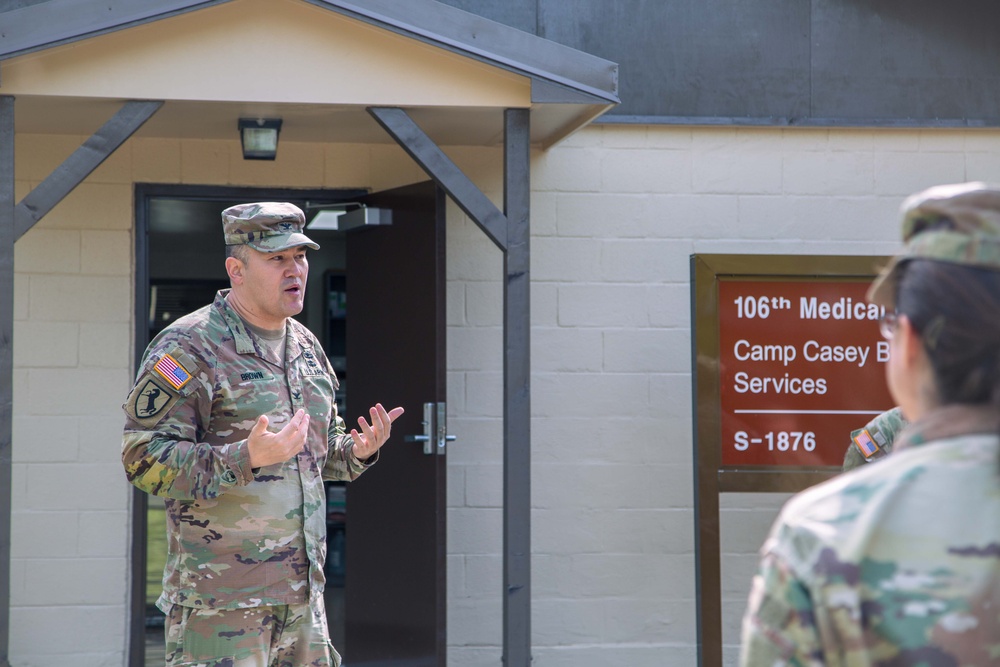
x=973 y=210
x=266 y=226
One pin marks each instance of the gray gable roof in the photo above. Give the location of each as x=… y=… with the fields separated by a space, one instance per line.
x=583 y=77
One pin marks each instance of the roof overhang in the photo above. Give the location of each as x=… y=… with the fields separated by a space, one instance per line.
x=317 y=64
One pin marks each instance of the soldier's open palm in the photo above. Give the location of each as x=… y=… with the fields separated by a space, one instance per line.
x=374 y=435
x=267 y=448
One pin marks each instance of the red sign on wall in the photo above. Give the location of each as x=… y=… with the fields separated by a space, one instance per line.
x=802 y=364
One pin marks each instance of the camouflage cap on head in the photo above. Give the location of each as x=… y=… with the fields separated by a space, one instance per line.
x=972 y=238
x=266 y=226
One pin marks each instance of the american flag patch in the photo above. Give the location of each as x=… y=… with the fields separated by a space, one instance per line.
x=865 y=444
x=172 y=371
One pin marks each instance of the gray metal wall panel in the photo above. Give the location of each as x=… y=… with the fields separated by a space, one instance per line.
x=694 y=57
x=520 y=14
x=10 y=5
x=921 y=59
x=882 y=62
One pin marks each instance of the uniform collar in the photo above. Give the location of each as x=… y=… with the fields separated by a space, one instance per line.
x=245 y=340
x=950 y=421
x=241 y=337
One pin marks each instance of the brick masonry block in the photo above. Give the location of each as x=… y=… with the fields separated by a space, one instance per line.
x=467 y=348
x=106 y=252
x=589 y=394
x=204 y=161
x=90 y=581
x=602 y=305
x=76 y=391
x=48 y=251
x=568 y=170
x=635 y=171
x=156 y=160
x=104 y=534
x=80 y=298
x=828 y=173
x=475 y=530
x=602 y=215
x=484 y=485
x=565 y=259
x=44 y=533
x=96 y=486
x=83 y=630
x=105 y=346
x=45 y=439
x=903 y=173
x=346 y=165
x=649 y=350
x=484 y=303
x=41 y=344
x=566 y=349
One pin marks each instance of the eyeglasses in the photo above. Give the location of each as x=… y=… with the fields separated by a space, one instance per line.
x=887 y=324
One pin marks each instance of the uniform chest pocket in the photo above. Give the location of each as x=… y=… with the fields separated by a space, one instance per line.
x=247 y=393
x=317 y=394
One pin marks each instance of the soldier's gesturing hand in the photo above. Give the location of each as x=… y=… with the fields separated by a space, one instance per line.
x=373 y=436
x=266 y=448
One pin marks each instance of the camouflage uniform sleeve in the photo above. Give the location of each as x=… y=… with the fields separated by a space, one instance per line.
x=341 y=463
x=882 y=431
x=853 y=457
x=779 y=624
x=162 y=447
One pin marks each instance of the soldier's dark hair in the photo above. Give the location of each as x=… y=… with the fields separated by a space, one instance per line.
x=956 y=311
x=240 y=252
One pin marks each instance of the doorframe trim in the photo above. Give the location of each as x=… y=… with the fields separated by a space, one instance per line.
x=511 y=232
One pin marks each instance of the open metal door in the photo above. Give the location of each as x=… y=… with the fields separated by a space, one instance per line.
x=395 y=542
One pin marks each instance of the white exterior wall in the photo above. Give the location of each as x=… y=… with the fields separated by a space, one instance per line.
x=616 y=213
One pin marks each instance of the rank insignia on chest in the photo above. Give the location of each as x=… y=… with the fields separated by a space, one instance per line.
x=171 y=371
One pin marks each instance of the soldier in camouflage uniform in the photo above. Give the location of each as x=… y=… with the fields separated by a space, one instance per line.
x=874 y=441
x=899 y=563
x=232 y=420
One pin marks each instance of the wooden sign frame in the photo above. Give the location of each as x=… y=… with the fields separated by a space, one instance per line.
x=710 y=478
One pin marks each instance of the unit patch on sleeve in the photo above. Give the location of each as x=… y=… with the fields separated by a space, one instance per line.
x=149 y=400
x=171 y=371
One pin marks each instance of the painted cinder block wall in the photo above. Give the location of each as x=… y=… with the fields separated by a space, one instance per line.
x=616 y=213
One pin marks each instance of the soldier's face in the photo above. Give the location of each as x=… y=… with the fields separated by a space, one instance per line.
x=273 y=285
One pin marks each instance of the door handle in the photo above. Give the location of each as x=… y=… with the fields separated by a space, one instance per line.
x=435 y=426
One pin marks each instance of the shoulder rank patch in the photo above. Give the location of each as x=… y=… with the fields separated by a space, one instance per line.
x=865 y=443
x=171 y=371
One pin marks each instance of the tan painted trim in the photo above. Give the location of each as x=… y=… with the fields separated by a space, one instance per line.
x=264 y=51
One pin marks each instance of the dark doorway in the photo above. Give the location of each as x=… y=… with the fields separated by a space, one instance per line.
x=179 y=268
x=396 y=355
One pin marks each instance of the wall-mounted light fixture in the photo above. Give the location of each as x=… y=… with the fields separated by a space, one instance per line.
x=338 y=218
x=259 y=137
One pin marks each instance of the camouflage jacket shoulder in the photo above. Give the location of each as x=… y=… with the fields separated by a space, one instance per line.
x=897 y=563
x=875 y=439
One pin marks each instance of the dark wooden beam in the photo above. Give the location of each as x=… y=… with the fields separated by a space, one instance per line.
x=6 y=359
x=14 y=222
x=439 y=166
x=517 y=394
x=81 y=163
